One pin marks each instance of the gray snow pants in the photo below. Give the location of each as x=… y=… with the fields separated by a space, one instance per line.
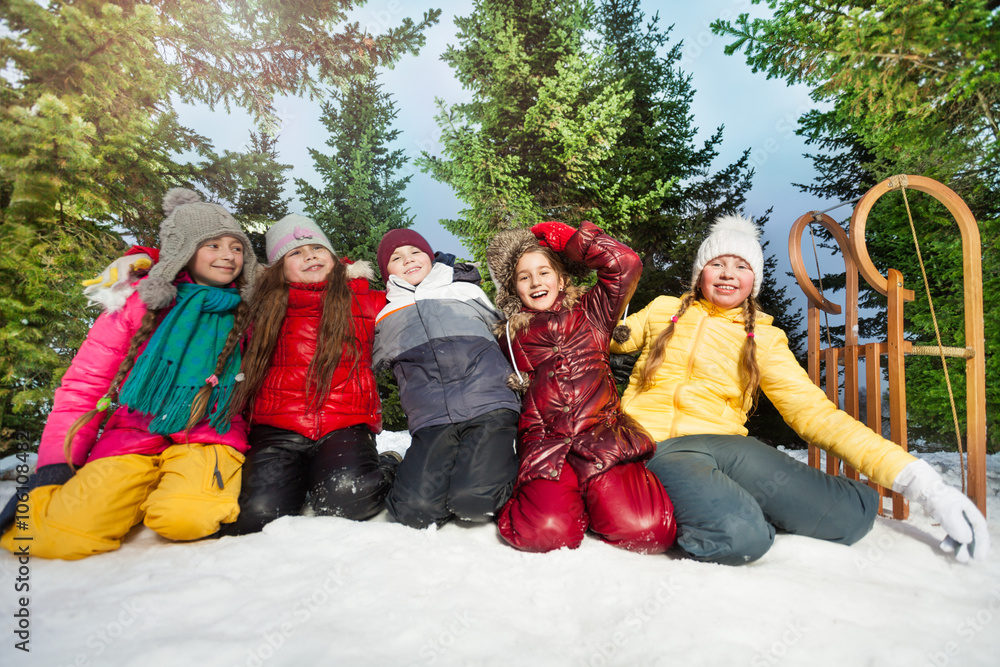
x=731 y=493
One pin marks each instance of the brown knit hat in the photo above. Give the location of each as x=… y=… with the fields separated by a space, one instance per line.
x=189 y=223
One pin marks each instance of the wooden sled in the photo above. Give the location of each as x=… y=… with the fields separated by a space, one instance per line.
x=894 y=348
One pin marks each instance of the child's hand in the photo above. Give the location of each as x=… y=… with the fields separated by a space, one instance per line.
x=54 y=473
x=968 y=535
x=553 y=234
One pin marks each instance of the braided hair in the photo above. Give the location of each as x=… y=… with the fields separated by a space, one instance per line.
x=147 y=326
x=146 y=329
x=660 y=344
x=749 y=370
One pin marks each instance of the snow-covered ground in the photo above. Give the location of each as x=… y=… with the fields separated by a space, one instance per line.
x=327 y=591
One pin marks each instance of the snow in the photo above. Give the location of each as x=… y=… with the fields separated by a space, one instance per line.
x=328 y=591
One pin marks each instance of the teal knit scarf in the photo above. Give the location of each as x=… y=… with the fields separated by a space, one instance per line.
x=181 y=355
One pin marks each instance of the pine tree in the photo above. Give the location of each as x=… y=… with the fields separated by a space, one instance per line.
x=535 y=140
x=262 y=204
x=90 y=141
x=361 y=198
x=915 y=81
x=657 y=147
x=914 y=90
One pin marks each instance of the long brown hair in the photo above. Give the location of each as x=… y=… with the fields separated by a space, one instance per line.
x=749 y=371
x=267 y=311
x=146 y=328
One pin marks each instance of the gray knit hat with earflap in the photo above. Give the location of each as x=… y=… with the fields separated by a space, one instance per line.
x=189 y=223
x=732 y=235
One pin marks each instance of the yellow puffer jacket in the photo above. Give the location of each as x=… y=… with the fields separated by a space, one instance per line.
x=697 y=389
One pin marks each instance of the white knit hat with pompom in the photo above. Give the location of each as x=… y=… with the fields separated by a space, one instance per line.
x=732 y=235
x=189 y=223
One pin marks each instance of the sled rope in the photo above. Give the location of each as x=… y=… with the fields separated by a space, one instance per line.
x=901 y=183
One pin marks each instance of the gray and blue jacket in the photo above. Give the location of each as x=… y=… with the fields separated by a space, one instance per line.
x=438 y=339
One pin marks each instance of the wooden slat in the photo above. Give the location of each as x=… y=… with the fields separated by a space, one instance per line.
x=832 y=354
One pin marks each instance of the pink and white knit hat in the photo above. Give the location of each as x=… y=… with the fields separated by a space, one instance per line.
x=291 y=232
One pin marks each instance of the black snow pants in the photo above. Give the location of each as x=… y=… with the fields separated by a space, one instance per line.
x=463 y=470
x=341 y=473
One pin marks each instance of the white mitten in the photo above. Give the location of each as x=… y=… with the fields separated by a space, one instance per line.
x=114 y=284
x=958 y=516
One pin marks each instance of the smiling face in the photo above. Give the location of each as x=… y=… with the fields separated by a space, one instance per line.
x=727 y=281
x=217 y=262
x=409 y=263
x=310 y=263
x=538 y=283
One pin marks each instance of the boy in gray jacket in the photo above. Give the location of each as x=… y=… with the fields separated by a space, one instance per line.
x=436 y=333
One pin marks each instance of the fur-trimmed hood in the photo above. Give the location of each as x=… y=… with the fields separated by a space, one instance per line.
x=502 y=255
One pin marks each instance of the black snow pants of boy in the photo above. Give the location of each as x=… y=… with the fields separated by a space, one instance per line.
x=463 y=470
x=341 y=473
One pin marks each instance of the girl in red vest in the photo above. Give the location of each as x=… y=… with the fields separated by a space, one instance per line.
x=313 y=405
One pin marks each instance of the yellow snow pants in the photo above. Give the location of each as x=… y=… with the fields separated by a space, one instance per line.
x=182 y=493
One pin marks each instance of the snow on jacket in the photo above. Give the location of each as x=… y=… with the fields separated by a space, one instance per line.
x=353 y=396
x=697 y=389
x=571 y=405
x=438 y=339
x=87 y=380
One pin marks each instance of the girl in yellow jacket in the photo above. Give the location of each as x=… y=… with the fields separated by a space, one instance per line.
x=703 y=358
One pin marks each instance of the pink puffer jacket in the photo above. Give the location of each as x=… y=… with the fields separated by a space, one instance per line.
x=88 y=379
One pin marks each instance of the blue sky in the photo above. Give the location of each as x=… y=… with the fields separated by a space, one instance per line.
x=757 y=113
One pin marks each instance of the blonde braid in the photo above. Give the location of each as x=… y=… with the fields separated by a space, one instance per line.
x=146 y=328
x=659 y=346
x=749 y=371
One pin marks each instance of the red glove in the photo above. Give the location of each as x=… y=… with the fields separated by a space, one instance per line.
x=553 y=234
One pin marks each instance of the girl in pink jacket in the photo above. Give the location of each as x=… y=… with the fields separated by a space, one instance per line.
x=169 y=357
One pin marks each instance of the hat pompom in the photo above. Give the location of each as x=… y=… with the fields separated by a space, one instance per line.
x=621 y=333
x=156 y=292
x=736 y=223
x=517 y=384
x=178 y=197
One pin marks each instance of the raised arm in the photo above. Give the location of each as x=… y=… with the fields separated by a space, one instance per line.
x=618 y=266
